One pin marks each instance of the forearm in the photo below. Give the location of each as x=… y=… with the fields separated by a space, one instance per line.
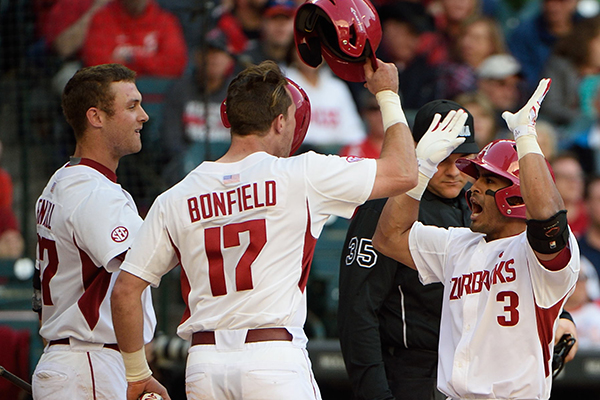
x=397 y=167
x=393 y=228
x=69 y=41
x=538 y=189
x=127 y=312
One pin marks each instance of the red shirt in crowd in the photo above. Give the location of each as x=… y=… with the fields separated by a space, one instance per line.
x=150 y=44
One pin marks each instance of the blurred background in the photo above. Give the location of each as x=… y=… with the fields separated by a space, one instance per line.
x=487 y=55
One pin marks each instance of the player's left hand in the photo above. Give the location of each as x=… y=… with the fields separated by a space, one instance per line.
x=525 y=118
x=567 y=326
x=150 y=384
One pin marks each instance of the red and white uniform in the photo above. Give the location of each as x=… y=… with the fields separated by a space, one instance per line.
x=244 y=234
x=84 y=220
x=500 y=310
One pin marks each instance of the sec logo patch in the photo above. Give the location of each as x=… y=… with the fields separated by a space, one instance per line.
x=119 y=234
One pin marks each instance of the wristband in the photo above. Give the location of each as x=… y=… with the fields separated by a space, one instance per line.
x=136 y=365
x=417 y=192
x=528 y=144
x=391 y=110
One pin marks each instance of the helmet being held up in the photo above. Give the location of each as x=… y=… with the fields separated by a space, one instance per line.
x=346 y=33
x=302 y=115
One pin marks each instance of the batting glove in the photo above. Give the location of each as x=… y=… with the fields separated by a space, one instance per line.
x=522 y=123
x=436 y=145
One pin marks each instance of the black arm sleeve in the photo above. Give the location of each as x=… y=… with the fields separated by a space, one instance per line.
x=566 y=315
x=366 y=278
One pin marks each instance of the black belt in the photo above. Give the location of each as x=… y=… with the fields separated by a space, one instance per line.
x=112 y=346
x=253 y=336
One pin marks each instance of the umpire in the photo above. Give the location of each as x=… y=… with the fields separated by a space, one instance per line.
x=388 y=321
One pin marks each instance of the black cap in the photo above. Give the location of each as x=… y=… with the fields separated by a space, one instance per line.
x=425 y=116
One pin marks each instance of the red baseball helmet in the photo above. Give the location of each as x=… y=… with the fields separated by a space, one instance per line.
x=499 y=157
x=302 y=115
x=346 y=33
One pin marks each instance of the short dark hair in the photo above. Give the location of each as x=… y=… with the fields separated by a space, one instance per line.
x=90 y=87
x=256 y=97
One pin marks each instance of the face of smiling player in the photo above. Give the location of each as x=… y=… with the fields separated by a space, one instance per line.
x=122 y=129
x=485 y=216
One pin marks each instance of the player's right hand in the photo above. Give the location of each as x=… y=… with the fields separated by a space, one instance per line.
x=384 y=78
x=440 y=140
x=136 y=389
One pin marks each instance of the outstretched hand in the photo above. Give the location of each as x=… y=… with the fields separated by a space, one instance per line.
x=440 y=140
x=525 y=118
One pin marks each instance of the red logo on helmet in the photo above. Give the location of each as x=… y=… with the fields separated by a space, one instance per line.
x=119 y=234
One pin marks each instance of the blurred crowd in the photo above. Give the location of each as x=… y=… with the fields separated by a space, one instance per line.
x=487 y=55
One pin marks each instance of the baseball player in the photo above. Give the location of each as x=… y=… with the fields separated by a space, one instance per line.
x=243 y=229
x=507 y=277
x=388 y=322
x=85 y=224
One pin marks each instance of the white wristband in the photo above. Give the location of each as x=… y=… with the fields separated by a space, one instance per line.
x=136 y=365
x=391 y=110
x=417 y=192
x=527 y=144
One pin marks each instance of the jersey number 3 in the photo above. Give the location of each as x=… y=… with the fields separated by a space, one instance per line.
x=511 y=301
x=257 y=232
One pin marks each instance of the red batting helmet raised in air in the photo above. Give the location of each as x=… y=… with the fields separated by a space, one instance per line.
x=346 y=33
x=302 y=115
x=499 y=157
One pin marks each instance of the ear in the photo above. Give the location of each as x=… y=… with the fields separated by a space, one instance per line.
x=278 y=123
x=95 y=117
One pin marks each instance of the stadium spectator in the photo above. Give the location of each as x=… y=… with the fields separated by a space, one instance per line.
x=589 y=242
x=277 y=34
x=499 y=78
x=138 y=34
x=66 y=26
x=575 y=56
x=448 y=15
x=570 y=182
x=584 y=309
x=586 y=142
x=402 y=26
x=479 y=38
x=11 y=241
x=532 y=41
x=335 y=121
x=484 y=119
x=187 y=117
x=241 y=21
x=370 y=147
x=547 y=138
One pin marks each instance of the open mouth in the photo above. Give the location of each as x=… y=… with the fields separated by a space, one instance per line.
x=476 y=208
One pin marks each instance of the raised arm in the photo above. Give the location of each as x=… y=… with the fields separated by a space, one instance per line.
x=545 y=207
x=400 y=212
x=397 y=164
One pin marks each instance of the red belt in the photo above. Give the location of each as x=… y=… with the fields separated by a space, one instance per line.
x=112 y=346
x=253 y=336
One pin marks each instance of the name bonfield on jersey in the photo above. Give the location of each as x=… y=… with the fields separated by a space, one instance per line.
x=242 y=198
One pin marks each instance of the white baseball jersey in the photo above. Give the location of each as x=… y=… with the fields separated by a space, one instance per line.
x=84 y=220
x=500 y=308
x=244 y=234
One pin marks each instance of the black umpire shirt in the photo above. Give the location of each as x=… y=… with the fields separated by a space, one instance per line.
x=383 y=307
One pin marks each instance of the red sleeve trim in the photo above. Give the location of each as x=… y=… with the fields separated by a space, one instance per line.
x=559 y=262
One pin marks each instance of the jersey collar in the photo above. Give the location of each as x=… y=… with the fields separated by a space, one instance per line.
x=95 y=165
